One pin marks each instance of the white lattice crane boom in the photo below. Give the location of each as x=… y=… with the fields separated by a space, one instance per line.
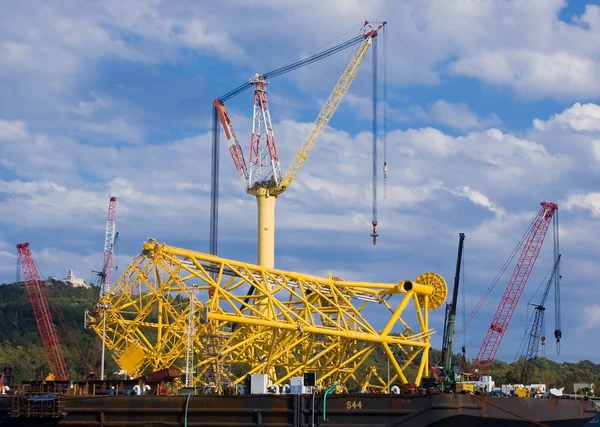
x=109 y=245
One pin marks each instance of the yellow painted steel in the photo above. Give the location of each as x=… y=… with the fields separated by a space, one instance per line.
x=266 y=227
x=264 y=320
x=330 y=107
x=266 y=196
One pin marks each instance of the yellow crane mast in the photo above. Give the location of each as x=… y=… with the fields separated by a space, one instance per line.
x=311 y=324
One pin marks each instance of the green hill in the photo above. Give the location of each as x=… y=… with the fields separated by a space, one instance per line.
x=20 y=344
x=21 y=348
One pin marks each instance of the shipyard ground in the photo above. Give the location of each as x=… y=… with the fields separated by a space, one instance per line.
x=292 y=410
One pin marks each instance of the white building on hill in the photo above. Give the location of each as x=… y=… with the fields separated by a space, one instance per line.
x=75 y=281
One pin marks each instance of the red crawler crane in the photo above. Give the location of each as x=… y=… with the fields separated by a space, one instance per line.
x=514 y=289
x=41 y=311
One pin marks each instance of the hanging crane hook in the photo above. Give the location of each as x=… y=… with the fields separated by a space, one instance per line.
x=374 y=235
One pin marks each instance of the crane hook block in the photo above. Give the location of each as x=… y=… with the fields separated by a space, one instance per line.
x=558 y=335
x=374 y=235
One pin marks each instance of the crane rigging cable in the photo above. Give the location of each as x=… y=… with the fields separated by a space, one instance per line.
x=515 y=287
x=375 y=71
x=294 y=66
x=547 y=278
x=538 y=328
x=495 y=281
x=464 y=299
x=385 y=112
x=368 y=34
x=557 y=278
x=374 y=219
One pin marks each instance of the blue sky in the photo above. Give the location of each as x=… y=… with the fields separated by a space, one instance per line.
x=489 y=114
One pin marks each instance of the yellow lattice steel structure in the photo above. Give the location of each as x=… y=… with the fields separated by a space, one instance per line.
x=261 y=320
x=327 y=111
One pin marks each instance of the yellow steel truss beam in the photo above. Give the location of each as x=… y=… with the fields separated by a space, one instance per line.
x=325 y=115
x=311 y=324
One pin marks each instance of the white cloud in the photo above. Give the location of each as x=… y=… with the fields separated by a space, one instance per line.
x=455 y=115
x=8 y=264
x=534 y=74
x=580 y=118
x=60 y=205
x=104 y=117
x=12 y=130
x=590 y=201
x=431 y=140
x=590 y=316
x=491 y=41
x=578 y=127
x=459 y=116
x=363 y=106
x=478 y=198
x=195 y=34
x=117 y=128
x=334 y=188
x=88 y=108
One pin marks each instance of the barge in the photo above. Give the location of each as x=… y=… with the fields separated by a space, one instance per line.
x=292 y=410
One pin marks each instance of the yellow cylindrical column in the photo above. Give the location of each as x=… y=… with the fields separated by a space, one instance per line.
x=266 y=228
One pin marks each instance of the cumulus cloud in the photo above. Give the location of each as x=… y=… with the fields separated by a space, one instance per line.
x=534 y=74
x=334 y=176
x=454 y=115
x=478 y=198
x=577 y=126
x=459 y=116
x=590 y=201
x=579 y=117
x=554 y=58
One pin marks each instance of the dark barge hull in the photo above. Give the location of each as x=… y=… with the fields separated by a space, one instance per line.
x=296 y=411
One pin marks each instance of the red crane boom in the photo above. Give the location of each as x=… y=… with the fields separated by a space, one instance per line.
x=37 y=296
x=514 y=289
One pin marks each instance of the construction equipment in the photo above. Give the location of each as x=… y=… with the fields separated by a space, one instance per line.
x=41 y=310
x=109 y=244
x=449 y=321
x=532 y=244
x=104 y=277
x=374 y=234
x=522 y=391
x=262 y=178
x=538 y=327
x=310 y=324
